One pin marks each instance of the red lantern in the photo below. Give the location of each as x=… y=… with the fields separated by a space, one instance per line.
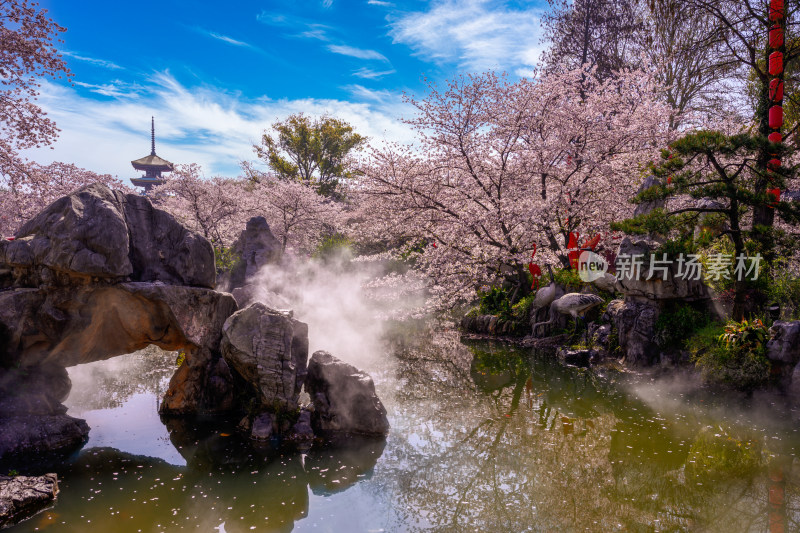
x=775 y=9
x=776 y=117
x=775 y=37
x=775 y=193
x=775 y=137
x=775 y=63
x=776 y=90
x=774 y=164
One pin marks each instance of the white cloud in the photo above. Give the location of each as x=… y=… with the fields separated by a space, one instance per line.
x=380 y=3
x=474 y=34
x=93 y=60
x=205 y=125
x=115 y=88
x=223 y=38
x=370 y=74
x=352 y=51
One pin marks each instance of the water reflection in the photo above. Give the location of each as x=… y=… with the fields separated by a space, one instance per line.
x=484 y=437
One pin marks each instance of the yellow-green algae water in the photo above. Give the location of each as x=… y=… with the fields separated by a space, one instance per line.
x=485 y=437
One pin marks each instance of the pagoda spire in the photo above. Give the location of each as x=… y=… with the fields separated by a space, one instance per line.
x=152 y=136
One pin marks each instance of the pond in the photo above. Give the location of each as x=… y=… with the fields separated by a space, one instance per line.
x=485 y=437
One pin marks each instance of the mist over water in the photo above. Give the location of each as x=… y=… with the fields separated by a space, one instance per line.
x=346 y=315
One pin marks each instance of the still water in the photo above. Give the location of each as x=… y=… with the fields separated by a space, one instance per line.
x=485 y=437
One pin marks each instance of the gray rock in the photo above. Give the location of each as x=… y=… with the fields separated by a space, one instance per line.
x=99 y=233
x=784 y=344
x=635 y=324
x=23 y=496
x=269 y=349
x=646 y=207
x=256 y=247
x=344 y=398
x=302 y=430
x=38 y=438
x=657 y=288
x=577 y=357
x=262 y=427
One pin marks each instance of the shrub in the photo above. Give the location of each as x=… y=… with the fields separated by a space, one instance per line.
x=495 y=301
x=674 y=327
x=521 y=310
x=332 y=246
x=734 y=354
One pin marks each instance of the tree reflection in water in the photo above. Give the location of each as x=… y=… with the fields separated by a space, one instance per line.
x=494 y=438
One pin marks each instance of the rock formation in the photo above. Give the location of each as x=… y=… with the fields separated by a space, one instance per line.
x=98 y=274
x=635 y=323
x=344 y=398
x=269 y=349
x=24 y=496
x=256 y=247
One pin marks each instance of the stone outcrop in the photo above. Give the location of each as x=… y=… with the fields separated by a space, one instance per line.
x=635 y=324
x=269 y=349
x=256 y=247
x=783 y=351
x=23 y=496
x=344 y=398
x=97 y=274
x=96 y=234
x=646 y=207
x=657 y=288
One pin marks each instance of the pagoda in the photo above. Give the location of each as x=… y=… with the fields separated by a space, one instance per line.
x=152 y=165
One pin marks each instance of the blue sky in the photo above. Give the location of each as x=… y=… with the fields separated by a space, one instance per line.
x=216 y=74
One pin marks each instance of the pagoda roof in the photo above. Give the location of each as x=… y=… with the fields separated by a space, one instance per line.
x=151 y=161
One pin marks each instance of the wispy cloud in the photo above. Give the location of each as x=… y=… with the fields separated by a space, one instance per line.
x=93 y=60
x=224 y=38
x=473 y=34
x=327 y=3
x=380 y=3
x=370 y=74
x=360 y=53
x=362 y=93
x=114 y=89
x=203 y=124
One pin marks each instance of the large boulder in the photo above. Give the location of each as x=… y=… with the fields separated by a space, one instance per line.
x=660 y=287
x=269 y=349
x=344 y=398
x=256 y=247
x=23 y=496
x=67 y=326
x=96 y=233
x=635 y=323
x=646 y=207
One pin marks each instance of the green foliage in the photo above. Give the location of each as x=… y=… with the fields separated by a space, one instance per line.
x=741 y=364
x=225 y=258
x=566 y=277
x=13 y=472
x=521 y=310
x=745 y=335
x=495 y=301
x=784 y=287
x=333 y=246
x=673 y=327
x=180 y=359
x=314 y=152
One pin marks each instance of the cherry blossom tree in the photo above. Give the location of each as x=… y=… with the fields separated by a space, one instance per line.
x=502 y=166
x=38 y=186
x=27 y=55
x=217 y=207
x=298 y=216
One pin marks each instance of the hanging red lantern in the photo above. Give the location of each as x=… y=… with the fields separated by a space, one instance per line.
x=775 y=63
x=776 y=90
x=775 y=37
x=776 y=9
x=775 y=117
x=776 y=193
x=774 y=164
x=775 y=137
